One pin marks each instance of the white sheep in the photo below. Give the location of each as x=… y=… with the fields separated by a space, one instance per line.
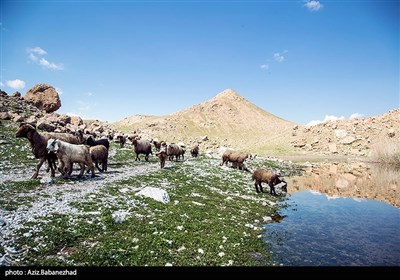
x=68 y=154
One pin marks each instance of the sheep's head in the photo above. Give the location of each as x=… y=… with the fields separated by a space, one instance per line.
x=24 y=129
x=79 y=133
x=52 y=145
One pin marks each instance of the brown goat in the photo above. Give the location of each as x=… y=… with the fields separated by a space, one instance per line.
x=99 y=154
x=236 y=158
x=261 y=175
x=195 y=151
x=38 y=143
x=162 y=156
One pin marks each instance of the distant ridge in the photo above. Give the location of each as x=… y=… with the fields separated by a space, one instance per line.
x=226 y=119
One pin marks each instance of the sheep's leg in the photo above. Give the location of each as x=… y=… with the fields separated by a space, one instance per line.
x=71 y=167
x=261 y=189
x=223 y=161
x=104 y=165
x=60 y=167
x=66 y=169
x=256 y=185
x=272 y=191
x=97 y=166
x=41 y=161
x=146 y=157
x=82 y=165
x=92 y=169
x=51 y=166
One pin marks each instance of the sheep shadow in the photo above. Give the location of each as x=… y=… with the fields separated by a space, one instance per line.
x=76 y=178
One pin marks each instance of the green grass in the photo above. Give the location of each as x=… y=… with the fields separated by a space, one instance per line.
x=214 y=217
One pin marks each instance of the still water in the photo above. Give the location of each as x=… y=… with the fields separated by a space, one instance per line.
x=341 y=229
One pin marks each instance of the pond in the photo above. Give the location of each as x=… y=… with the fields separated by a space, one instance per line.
x=338 y=215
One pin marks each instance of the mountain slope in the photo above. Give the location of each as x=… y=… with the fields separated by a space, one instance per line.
x=227 y=119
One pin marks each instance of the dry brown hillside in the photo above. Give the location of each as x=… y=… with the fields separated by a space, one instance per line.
x=227 y=119
x=355 y=137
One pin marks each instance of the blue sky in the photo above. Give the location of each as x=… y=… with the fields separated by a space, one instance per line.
x=299 y=60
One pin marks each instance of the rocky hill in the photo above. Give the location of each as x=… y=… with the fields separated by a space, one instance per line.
x=355 y=137
x=228 y=119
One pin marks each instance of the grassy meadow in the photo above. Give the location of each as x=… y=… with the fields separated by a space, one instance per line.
x=214 y=217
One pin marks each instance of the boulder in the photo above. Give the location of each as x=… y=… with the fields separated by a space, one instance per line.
x=155 y=193
x=44 y=97
x=5 y=116
x=340 y=133
x=76 y=120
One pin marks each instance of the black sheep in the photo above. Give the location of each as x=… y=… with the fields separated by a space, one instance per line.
x=91 y=142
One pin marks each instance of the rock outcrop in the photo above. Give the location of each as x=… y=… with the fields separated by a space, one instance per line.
x=45 y=97
x=355 y=137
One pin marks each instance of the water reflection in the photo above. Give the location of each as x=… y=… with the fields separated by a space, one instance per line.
x=355 y=179
x=321 y=231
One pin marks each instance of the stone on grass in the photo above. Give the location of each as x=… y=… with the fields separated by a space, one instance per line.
x=155 y=193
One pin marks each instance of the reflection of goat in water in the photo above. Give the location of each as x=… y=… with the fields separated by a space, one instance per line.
x=261 y=175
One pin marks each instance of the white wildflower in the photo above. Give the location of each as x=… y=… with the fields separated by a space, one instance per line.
x=181 y=249
x=221 y=254
x=200 y=251
x=135 y=240
x=168 y=264
x=230 y=262
x=179 y=227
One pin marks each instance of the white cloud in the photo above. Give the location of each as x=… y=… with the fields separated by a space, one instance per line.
x=37 y=50
x=1 y=84
x=50 y=65
x=88 y=93
x=334 y=118
x=355 y=116
x=327 y=118
x=35 y=55
x=280 y=56
x=15 y=84
x=264 y=66
x=313 y=5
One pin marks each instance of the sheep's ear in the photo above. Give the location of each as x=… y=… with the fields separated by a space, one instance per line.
x=55 y=146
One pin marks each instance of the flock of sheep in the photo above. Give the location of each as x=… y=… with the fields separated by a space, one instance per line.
x=88 y=153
